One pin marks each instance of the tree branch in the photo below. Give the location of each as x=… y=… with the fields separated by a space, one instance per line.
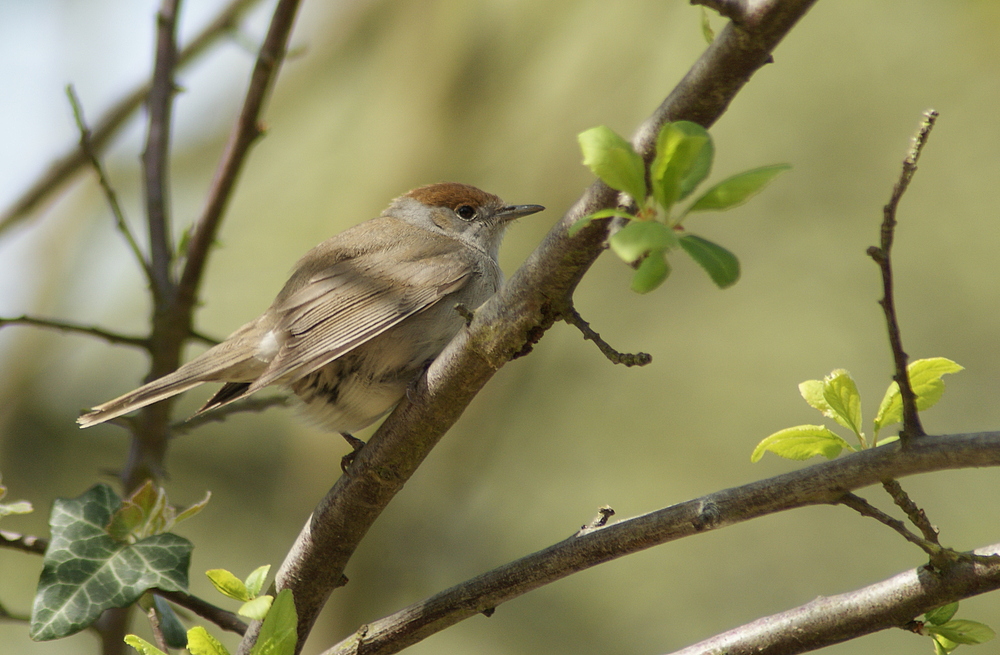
x=68 y=326
x=818 y=484
x=23 y=542
x=882 y=256
x=507 y=324
x=220 y=617
x=62 y=170
x=830 y=620
x=155 y=158
x=86 y=146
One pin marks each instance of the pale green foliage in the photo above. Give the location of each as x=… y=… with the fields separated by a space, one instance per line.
x=200 y=642
x=683 y=159
x=246 y=591
x=948 y=633
x=19 y=507
x=144 y=646
x=837 y=397
x=147 y=512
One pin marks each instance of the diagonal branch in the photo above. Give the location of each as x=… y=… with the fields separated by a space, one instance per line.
x=818 y=484
x=64 y=168
x=67 y=326
x=517 y=316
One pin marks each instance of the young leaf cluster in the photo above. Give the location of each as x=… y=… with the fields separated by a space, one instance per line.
x=683 y=159
x=246 y=591
x=18 y=507
x=146 y=512
x=277 y=636
x=949 y=633
x=836 y=396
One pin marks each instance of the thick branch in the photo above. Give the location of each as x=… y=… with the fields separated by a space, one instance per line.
x=830 y=620
x=61 y=171
x=818 y=484
x=507 y=325
x=23 y=542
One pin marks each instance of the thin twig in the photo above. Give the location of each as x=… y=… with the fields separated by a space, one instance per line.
x=882 y=256
x=68 y=326
x=23 y=542
x=154 y=625
x=217 y=415
x=573 y=317
x=7 y=615
x=155 y=157
x=87 y=148
x=65 y=167
x=915 y=514
x=863 y=507
x=220 y=617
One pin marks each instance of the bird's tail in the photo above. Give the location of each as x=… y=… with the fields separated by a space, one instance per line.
x=169 y=385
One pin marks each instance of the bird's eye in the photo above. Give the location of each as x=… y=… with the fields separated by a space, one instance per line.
x=466 y=212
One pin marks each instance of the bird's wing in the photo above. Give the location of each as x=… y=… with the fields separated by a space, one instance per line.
x=352 y=302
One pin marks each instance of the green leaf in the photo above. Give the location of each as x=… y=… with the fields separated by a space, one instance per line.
x=841 y=395
x=603 y=213
x=192 y=510
x=142 y=645
x=85 y=571
x=683 y=158
x=737 y=189
x=925 y=378
x=943 y=646
x=813 y=392
x=706 y=27
x=651 y=273
x=962 y=631
x=277 y=634
x=202 y=643
x=19 y=507
x=941 y=614
x=612 y=159
x=171 y=627
x=255 y=581
x=256 y=608
x=228 y=584
x=720 y=264
x=801 y=442
x=633 y=241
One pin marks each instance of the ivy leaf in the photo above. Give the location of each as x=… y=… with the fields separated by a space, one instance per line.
x=638 y=238
x=228 y=584
x=962 y=631
x=720 y=264
x=737 y=189
x=85 y=571
x=925 y=378
x=801 y=442
x=612 y=159
x=170 y=625
x=651 y=273
x=200 y=642
x=941 y=614
x=683 y=158
x=277 y=634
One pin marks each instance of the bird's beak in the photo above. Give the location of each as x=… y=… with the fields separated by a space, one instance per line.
x=511 y=212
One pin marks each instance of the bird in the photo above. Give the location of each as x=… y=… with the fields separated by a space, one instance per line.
x=361 y=316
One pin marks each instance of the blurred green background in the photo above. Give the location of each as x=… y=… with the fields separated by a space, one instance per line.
x=382 y=96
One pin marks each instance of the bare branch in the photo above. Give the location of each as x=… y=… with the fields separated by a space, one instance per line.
x=23 y=542
x=818 y=484
x=244 y=134
x=220 y=617
x=109 y=193
x=65 y=167
x=573 y=317
x=155 y=157
x=517 y=316
x=830 y=620
x=882 y=256
x=68 y=326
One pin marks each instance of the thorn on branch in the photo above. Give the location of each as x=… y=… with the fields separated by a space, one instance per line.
x=573 y=317
x=604 y=514
x=881 y=255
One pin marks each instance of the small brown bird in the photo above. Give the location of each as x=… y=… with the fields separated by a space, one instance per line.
x=362 y=315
